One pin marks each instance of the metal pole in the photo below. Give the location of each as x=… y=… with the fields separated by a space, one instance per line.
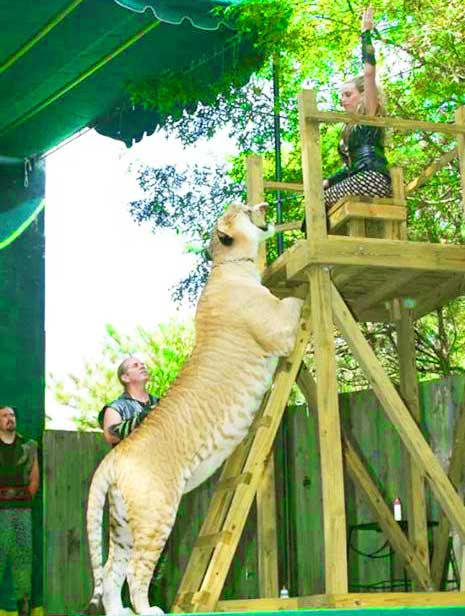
x=277 y=149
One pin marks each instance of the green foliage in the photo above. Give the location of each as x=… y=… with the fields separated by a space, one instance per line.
x=164 y=352
x=420 y=46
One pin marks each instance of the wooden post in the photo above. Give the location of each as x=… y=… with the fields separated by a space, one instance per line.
x=315 y=214
x=396 y=230
x=416 y=511
x=267 y=532
x=334 y=520
x=460 y=119
x=256 y=194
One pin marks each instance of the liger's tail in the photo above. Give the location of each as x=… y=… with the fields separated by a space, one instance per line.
x=99 y=486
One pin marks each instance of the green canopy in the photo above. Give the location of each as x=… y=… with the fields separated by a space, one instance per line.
x=67 y=64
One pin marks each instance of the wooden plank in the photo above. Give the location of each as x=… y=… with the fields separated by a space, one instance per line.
x=286 y=186
x=455 y=474
x=460 y=123
x=439 y=294
x=267 y=533
x=416 y=511
x=289 y=226
x=382 y=599
x=332 y=476
x=369 y=252
x=366 y=210
x=256 y=194
x=346 y=600
x=384 y=517
x=343 y=276
x=253 y=605
x=284 y=379
x=386 y=291
x=399 y=415
x=332 y=117
x=429 y=171
x=315 y=214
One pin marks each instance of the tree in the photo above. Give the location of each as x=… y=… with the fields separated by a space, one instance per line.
x=420 y=48
x=164 y=352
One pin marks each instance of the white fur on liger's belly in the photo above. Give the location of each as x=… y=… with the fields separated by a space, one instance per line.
x=235 y=430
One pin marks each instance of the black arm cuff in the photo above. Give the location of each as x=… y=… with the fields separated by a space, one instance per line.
x=368 y=51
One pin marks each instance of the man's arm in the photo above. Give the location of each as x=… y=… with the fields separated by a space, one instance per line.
x=111 y=418
x=35 y=476
x=114 y=429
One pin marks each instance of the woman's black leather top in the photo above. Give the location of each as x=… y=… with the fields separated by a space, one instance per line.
x=363 y=152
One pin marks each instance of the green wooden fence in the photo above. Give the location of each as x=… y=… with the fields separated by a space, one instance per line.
x=70 y=458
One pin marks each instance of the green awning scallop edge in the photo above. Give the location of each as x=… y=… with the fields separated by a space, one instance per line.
x=199 y=12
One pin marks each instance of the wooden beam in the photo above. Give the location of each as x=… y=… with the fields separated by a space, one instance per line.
x=383 y=515
x=360 y=210
x=460 y=123
x=256 y=194
x=386 y=291
x=331 y=117
x=286 y=186
x=440 y=294
x=289 y=226
x=343 y=276
x=315 y=213
x=416 y=510
x=455 y=473
x=267 y=533
x=369 y=252
x=399 y=415
x=348 y=600
x=429 y=171
x=332 y=476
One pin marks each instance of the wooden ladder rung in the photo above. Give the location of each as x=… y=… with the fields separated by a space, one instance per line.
x=287 y=186
x=231 y=483
x=211 y=541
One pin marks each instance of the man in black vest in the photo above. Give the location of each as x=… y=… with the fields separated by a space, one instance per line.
x=120 y=417
x=19 y=482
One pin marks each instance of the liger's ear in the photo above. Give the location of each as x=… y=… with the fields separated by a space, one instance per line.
x=224 y=238
x=260 y=207
x=223 y=233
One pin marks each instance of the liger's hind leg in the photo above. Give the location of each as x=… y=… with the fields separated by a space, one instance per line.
x=148 y=546
x=120 y=547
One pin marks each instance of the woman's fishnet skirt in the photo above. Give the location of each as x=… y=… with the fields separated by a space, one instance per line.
x=365 y=183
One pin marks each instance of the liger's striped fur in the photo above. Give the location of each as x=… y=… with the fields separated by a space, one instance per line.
x=241 y=330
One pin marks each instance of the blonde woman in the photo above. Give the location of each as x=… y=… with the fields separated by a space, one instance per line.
x=365 y=170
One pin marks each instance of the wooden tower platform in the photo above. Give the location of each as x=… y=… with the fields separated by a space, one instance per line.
x=365 y=269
